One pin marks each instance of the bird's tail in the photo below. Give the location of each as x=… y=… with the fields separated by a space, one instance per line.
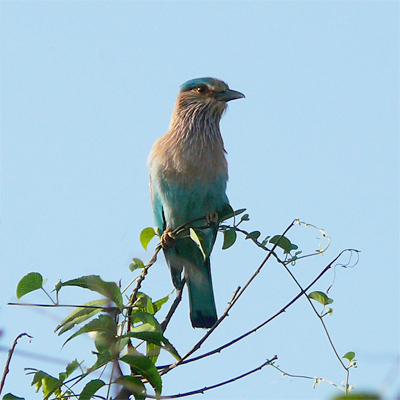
x=187 y=257
x=203 y=313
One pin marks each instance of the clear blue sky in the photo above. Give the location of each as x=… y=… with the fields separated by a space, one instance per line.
x=87 y=87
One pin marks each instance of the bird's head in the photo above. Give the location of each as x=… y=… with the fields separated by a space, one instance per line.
x=205 y=95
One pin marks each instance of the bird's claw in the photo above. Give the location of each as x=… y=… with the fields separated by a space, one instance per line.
x=168 y=239
x=212 y=218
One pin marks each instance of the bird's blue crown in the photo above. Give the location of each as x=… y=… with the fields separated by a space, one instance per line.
x=193 y=83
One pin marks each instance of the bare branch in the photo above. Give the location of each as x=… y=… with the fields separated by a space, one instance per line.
x=63 y=306
x=174 y=306
x=10 y=354
x=317 y=379
x=219 y=349
x=315 y=310
x=193 y=392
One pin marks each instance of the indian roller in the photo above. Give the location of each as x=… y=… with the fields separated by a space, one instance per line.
x=188 y=178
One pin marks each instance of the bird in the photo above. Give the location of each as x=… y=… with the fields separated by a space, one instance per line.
x=188 y=179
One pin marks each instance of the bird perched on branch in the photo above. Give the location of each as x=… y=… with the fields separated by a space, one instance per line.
x=188 y=177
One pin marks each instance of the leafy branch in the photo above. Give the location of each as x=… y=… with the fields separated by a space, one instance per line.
x=120 y=327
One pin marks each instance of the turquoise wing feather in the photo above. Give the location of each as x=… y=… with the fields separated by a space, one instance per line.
x=173 y=206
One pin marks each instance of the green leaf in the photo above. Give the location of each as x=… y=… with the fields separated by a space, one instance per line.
x=265 y=241
x=204 y=241
x=253 y=235
x=149 y=334
x=146 y=235
x=159 y=303
x=137 y=263
x=80 y=315
x=90 y=389
x=143 y=366
x=104 y=323
x=29 y=283
x=71 y=367
x=329 y=311
x=227 y=212
x=10 y=396
x=48 y=383
x=238 y=212
x=349 y=355
x=195 y=237
x=144 y=303
x=134 y=385
x=229 y=238
x=245 y=217
x=321 y=297
x=284 y=243
x=146 y=318
x=153 y=352
x=102 y=359
x=142 y=332
x=167 y=346
x=104 y=341
x=110 y=290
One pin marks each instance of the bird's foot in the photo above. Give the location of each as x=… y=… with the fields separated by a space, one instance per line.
x=168 y=239
x=212 y=218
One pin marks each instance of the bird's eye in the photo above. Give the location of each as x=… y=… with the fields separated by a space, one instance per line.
x=201 y=88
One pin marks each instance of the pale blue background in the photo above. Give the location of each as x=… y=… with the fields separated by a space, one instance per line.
x=87 y=87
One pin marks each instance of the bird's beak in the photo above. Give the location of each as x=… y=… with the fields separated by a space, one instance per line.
x=229 y=95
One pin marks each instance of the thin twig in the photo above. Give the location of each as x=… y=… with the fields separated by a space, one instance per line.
x=63 y=306
x=175 y=396
x=238 y=293
x=36 y=356
x=174 y=306
x=9 y=356
x=263 y=247
x=54 y=302
x=219 y=349
x=133 y=298
x=203 y=339
x=111 y=379
x=316 y=312
x=144 y=273
x=320 y=317
x=317 y=379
